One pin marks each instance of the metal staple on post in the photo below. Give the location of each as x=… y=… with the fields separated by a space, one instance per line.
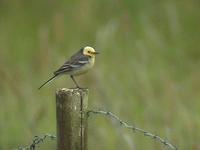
x=71 y=106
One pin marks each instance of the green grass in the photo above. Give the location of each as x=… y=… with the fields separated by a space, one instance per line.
x=147 y=73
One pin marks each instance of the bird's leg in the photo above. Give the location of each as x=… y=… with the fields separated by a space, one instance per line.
x=75 y=81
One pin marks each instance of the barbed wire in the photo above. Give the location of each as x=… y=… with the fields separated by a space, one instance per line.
x=38 y=140
x=133 y=128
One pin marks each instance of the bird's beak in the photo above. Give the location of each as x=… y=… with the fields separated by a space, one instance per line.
x=95 y=53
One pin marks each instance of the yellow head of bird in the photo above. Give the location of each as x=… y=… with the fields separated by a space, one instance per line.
x=89 y=51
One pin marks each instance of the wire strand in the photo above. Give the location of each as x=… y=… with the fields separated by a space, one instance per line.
x=133 y=128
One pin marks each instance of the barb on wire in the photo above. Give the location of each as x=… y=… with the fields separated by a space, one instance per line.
x=133 y=128
x=36 y=141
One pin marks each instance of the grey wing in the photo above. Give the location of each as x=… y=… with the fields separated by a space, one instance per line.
x=73 y=64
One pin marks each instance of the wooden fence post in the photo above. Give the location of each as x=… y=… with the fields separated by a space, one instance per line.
x=71 y=106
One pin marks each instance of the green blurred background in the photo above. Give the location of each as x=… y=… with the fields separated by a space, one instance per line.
x=148 y=71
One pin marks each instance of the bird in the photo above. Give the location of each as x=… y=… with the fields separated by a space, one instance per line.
x=79 y=63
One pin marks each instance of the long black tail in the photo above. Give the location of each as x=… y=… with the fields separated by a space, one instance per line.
x=47 y=82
